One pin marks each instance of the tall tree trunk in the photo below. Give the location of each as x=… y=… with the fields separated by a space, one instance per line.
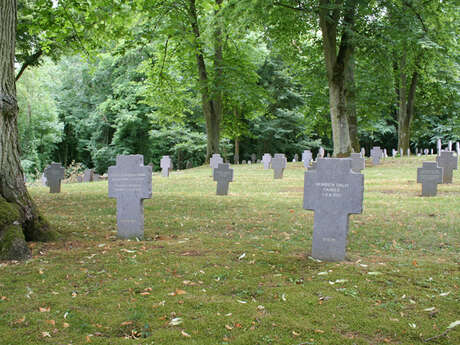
x=337 y=66
x=19 y=217
x=237 y=136
x=350 y=103
x=212 y=105
x=406 y=104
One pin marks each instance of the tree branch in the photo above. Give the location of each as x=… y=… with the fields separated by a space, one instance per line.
x=29 y=61
x=300 y=8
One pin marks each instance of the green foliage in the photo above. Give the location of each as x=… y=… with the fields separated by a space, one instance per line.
x=40 y=130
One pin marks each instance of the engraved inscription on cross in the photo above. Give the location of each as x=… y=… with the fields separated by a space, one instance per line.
x=429 y=175
x=54 y=173
x=130 y=182
x=334 y=192
x=223 y=175
x=448 y=162
x=166 y=166
x=376 y=154
x=278 y=165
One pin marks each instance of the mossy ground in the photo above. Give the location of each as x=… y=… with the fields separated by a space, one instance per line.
x=236 y=269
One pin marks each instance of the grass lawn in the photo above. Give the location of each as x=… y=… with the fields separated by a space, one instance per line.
x=237 y=269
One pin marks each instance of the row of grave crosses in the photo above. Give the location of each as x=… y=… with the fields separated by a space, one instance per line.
x=433 y=173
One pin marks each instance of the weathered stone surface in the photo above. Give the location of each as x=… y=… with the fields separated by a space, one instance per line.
x=321 y=153
x=54 y=173
x=334 y=192
x=236 y=159
x=296 y=158
x=357 y=162
x=278 y=163
x=267 y=159
x=439 y=146
x=166 y=166
x=429 y=175
x=363 y=151
x=223 y=175
x=88 y=175
x=253 y=158
x=306 y=158
x=376 y=154
x=448 y=162
x=130 y=182
x=215 y=160
x=243 y=161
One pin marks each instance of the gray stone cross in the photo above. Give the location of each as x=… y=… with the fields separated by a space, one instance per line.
x=54 y=173
x=448 y=162
x=253 y=158
x=130 y=182
x=334 y=192
x=166 y=166
x=266 y=159
x=429 y=175
x=278 y=165
x=223 y=175
x=306 y=158
x=357 y=162
x=376 y=154
x=215 y=160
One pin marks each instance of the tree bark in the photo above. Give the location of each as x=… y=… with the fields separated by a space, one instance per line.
x=342 y=108
x=406 y=104
x=350 y=104
x=211 y=102
x=13 y=192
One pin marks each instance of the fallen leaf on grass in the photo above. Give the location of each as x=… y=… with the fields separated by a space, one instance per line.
x=412 y=325
x=185 y=334
x=374 y=273
x=44 y=310
x=229 y=327
x=242 y=302
x=177 y=292
x=241 y=256
x=3 y=298
x=51 y=322
x=295 y=334
x=454 y=324
x=46 y=334
x=319 y=331
x=21 y=320
x=65 y=325
x=176 y=321
x=126 y=323
x=444 y=294
x=429 y=309
x=144 y=293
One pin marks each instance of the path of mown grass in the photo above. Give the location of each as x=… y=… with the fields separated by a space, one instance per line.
x=236 y=269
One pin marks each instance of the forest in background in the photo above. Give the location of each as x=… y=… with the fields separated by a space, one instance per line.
x=131 y=82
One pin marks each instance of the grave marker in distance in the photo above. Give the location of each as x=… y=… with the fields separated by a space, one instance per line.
x=130 y=182
x=357 y=162
x=429 y=175
x=54 y=173
x=376 y=154
x=223 y=175
x=166 y=166
x=333 y=192
x=266 y=159
x=448 y=162
x=278 y=165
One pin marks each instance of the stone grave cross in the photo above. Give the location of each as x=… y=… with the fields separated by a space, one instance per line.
x=166 y=166
x=215 y=160
x=223 y=175
x=334 y=192
x=357 y=162
x=266 y=159
x=376 y=154
x=278 y=165
x=429 y=175
x=54 y=173
x=306 y=158
x=130 y=182
x=448 y=162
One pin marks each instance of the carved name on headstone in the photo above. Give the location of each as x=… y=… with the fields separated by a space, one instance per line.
x=334 y=192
